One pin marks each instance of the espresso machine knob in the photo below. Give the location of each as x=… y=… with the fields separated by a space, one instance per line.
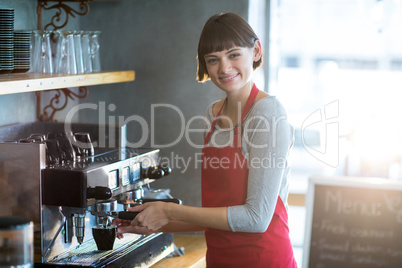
x=99 y=193
x=166 y=169
x=158 y=172
x=153 y=173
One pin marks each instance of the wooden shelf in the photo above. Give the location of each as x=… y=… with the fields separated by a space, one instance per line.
x=28 y=82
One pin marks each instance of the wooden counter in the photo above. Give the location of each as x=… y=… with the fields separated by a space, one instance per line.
x=194 y=253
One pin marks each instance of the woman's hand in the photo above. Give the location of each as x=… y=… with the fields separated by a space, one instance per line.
x=159 y=216
x=152 y=216
x=124 y=226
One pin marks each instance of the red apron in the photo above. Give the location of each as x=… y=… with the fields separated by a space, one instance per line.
x=224 y=183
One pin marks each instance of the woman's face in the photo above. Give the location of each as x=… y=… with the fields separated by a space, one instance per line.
x=231 y=69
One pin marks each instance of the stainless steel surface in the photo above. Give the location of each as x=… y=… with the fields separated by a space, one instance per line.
x=105 y=169
x=79 y=224
x=104 y=207
x=21 y=166
x=88 y=255
x=102 y=211
x=47 y=193
x=130 y=197
x=46 y=250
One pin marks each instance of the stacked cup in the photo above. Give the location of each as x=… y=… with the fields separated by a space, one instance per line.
x=65 y=61
x=42 y=61
x=89 y=52
x=6 y=40
x=94 y=50
x=65 y=52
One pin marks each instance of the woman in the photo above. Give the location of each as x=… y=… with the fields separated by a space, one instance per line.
x=244 y=169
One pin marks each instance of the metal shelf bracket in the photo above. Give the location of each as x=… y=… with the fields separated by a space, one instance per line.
x=62 y=10
x=56 y=104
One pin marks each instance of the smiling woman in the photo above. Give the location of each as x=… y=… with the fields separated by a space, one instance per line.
x=225 y=35
x=231 y=69
x=244 y=204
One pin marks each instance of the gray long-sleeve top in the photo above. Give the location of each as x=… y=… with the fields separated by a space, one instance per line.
x=266 y=142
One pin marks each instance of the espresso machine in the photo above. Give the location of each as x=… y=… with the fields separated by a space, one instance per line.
x=72 y=188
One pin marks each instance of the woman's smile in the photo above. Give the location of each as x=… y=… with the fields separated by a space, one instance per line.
x=230 y=69
x=229 y=78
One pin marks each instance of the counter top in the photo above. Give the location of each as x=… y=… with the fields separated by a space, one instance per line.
x=194 y=253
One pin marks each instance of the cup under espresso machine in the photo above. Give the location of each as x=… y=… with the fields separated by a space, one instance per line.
x=71 y=184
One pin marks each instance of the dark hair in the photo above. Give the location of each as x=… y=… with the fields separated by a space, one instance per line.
x=223 y=31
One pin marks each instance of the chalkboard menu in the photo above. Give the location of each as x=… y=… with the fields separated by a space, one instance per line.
x=353 y=222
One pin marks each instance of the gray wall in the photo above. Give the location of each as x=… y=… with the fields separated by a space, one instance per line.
x=158 y=39
x=19 y=107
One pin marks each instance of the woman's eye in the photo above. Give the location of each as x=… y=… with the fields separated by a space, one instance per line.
x=211 y=61
x=234 y=55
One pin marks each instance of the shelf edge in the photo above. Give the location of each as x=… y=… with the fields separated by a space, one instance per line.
x=39 y=82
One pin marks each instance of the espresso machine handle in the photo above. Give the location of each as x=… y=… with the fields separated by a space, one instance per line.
x=99 y=193
x=125 y=215
x=171 y=200
x=129 y=215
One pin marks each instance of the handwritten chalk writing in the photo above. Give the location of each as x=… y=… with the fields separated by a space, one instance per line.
x=339 y=228
x=371 y=233
x=343 y=246
x=332 y=256
x=334 y=228
x=394 y=252
x=369 y=260
x=394 y=204
x=361 y=248
x=350 y=207
x=355 y=227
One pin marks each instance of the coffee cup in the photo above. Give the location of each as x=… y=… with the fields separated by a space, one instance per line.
x=104 y=236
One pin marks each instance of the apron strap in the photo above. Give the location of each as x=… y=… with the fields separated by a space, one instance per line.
x=237 y=128
x=214 y=123
x=249 y=103
x=238 y=131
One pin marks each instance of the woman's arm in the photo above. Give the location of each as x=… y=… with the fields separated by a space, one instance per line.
x=124 y=226
x=155 y=215
x=267 y=141
x=263 y=189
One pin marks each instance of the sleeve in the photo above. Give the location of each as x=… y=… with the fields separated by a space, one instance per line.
x=268 y=138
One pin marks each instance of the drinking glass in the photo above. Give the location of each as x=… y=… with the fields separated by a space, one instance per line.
x=42 y=52
x=86 y=52
x=46 y=53
x=95 y=55
x=54 y=42
x=66 y=60
x=78 y=52
x=35 y=51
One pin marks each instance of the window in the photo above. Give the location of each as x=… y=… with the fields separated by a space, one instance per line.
x=336 y=65
x=344 y=56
